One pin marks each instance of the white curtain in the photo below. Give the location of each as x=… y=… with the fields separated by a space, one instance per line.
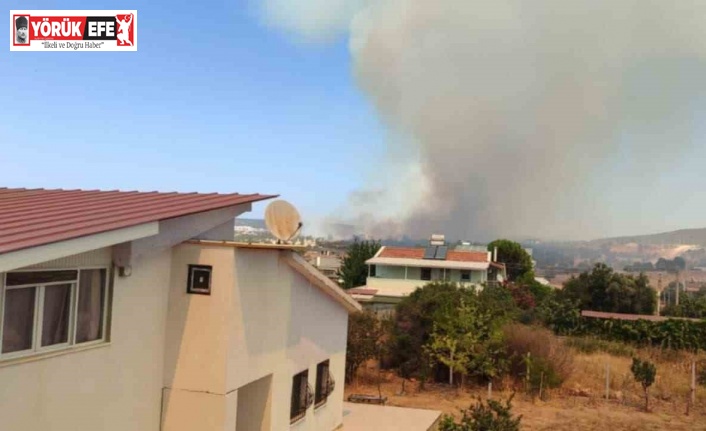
x=55 y=316
x=90 y=305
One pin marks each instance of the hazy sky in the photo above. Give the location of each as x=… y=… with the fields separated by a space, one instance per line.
x=266 y=96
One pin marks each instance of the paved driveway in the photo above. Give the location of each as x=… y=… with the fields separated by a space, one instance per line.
x=367 y=417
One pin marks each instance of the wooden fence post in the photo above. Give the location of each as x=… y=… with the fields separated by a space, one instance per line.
x=607 y=380
x=528 y=383
x=693 y=382
x=691 y=399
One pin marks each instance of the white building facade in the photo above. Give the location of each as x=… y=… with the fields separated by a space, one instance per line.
x=122 y=312
x=395 y=272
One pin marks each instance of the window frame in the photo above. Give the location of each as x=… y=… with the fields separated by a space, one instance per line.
x=303 y=404
x=465 y=272
x=421 y=273
x=37 y=349
x=320 y=399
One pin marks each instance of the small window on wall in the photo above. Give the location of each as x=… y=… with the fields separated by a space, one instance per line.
x=324 y=383
x=465 y=275
x=302 y=398
x=426 y=274
x=199 y=280
x=373 y=271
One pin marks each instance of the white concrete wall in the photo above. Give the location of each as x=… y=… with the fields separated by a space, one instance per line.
x=393 y=287
x=286 y=325
x=114 y=387
x=271 y=322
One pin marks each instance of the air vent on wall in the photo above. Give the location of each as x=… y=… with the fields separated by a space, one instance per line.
x=199 y=280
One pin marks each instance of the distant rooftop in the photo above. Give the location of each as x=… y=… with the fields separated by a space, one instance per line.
x=418 y=253
x=421 y=257
x=33 y=217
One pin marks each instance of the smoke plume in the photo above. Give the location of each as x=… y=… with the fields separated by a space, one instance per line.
x=506 y=117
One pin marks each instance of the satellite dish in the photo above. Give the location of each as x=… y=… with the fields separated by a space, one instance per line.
x=283 y=220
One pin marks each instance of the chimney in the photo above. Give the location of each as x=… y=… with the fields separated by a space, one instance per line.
x=495 y=254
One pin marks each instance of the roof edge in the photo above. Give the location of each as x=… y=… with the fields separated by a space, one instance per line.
x=319 y=280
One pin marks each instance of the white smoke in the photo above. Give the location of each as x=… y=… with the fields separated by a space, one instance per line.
x=312 y=19
x=513 y=110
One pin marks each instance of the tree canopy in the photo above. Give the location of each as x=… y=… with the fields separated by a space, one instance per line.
x=602 y=289
x=363 y=342
x=677 y=264
x=517 y=261
x=353 y=270
x=457 y=327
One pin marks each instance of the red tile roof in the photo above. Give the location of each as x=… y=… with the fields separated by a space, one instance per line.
x=418 y=253
x=621 y=316
x=33 y=217
x=467 y=256
x=403 y=253
x=361 y=291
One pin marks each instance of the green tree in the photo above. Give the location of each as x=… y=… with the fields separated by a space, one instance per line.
x=353 y=269
x=644 y=373
x=453 y=340
x=602 y=289
x=517 y=261
x=441 y=318
x=364 y=335
x=489 y=416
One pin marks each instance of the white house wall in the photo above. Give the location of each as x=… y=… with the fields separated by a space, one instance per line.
x=113 y=387
x=302 y=327
x=272 y=324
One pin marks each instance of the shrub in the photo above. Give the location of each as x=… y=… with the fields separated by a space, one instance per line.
x=542 y=374
x=489 y=416
x=644 y=373
x=550 y=361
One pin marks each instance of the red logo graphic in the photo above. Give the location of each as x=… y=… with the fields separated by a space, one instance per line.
x=126 y=32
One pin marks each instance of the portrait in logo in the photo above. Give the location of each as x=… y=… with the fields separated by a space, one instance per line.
x=22 y=30
x=125 y=36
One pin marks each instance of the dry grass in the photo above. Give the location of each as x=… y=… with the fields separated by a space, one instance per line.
x=579 y=405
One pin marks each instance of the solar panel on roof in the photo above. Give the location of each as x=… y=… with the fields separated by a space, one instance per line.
x=430 y=252
x=441 y=252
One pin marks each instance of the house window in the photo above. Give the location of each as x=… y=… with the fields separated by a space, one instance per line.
x=465 y=275
x=50 y=310
x=426 y=274
x=324 y=383
x=373 y=271
x=301 y=396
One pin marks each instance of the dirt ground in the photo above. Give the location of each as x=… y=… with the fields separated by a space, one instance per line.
x=578 y=406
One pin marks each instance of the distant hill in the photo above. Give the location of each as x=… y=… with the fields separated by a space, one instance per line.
x=683 y=236
x=251 y=222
